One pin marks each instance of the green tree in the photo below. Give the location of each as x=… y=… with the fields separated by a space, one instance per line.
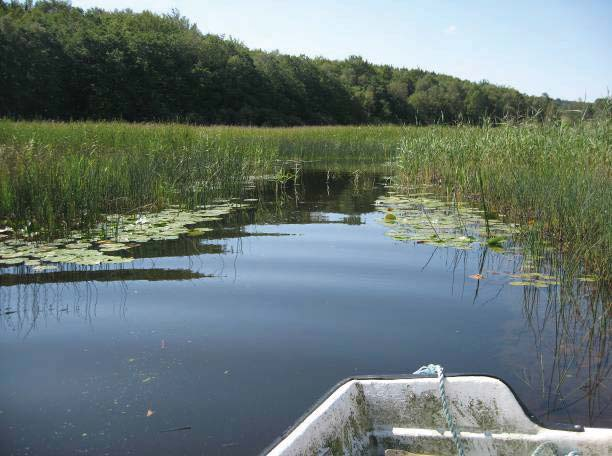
x=62 y=62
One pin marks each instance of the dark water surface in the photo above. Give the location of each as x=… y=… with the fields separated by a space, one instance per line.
x=235 y=335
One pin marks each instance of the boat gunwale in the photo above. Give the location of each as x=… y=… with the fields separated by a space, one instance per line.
x=534 y=419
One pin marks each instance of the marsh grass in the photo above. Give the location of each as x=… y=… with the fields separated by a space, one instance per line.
x=56 y=177
x=554 y=180
x=60 y=176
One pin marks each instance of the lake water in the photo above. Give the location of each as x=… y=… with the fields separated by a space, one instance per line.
x=226 y=339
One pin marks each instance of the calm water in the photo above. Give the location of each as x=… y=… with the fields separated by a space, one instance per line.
x=233 y=336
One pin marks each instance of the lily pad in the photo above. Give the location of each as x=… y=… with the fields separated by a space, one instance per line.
x=194 y=232
x=390 y=217
x=524 y=283
x=116 y=233
x=496 y=241
x=12 y=261
x=421 y=218
x=44 y=267
x=78 y=245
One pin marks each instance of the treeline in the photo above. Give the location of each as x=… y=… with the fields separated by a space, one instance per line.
x=61 y=62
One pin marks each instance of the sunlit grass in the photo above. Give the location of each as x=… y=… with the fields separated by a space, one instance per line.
x=56 y=177
x=553 y=180
x=60 y=176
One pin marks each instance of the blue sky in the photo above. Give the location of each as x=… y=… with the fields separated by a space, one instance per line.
x=558 y=47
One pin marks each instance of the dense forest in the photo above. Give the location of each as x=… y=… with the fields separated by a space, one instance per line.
x=61 y=62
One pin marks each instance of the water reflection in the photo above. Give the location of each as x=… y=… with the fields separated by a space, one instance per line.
x=26 y=305
x=98 y=275
x=564 y=361
x=557 y=354
x=297 y=291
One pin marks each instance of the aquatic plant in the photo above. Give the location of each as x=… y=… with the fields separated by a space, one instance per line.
x=423 y=219
x=57 y=177
x=554 y=181
x=115 y=235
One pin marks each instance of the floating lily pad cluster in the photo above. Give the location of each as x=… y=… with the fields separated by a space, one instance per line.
x=423 y=219
x=533 y=279
x=116 y=234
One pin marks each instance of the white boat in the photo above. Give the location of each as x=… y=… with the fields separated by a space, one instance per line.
x=406 y=416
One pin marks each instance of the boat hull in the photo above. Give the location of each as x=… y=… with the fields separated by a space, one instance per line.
x=366 y=416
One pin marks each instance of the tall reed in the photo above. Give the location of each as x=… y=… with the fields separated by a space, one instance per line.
x=554 y=180
x=57 y=177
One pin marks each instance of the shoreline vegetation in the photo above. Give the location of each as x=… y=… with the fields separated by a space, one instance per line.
x=553 y=180
x=541 y=163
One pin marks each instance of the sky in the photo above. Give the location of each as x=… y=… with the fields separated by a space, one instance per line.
x=562 y=48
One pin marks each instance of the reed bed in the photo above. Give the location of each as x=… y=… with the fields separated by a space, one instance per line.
x=57 y=177
x=60 y=176
x=554 y=180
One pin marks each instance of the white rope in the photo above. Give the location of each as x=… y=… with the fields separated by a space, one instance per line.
x=436 y=369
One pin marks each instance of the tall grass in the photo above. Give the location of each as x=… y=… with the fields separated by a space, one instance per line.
x=554 y=180
x=56 y=177
x=60 y=176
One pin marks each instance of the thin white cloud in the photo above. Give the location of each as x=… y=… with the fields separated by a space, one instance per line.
x=451 y=29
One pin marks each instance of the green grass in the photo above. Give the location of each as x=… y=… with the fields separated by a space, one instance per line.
x=554 y=180
x=61 y=176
